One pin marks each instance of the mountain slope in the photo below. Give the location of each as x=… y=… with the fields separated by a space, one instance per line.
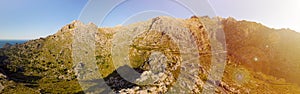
x=259 y=59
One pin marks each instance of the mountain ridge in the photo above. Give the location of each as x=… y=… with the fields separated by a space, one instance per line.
x=48 y=61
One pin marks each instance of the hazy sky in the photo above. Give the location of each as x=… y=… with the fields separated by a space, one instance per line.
x=30 y=19
x=272 y=13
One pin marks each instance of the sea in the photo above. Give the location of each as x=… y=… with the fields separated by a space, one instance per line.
x=12 y=42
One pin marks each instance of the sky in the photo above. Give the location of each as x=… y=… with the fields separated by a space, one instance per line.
x=272 y=13
x=32 y=19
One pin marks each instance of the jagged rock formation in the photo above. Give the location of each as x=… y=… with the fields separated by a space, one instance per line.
x=172 y=55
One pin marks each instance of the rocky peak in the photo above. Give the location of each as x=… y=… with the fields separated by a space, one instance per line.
x=76 y=24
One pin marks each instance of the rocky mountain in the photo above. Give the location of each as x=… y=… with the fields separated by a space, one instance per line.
x=168 y=55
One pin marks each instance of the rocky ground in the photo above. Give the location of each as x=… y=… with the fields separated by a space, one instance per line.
x=168 y=55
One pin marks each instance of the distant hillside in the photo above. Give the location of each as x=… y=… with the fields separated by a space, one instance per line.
x=259 y=59
x=11 y=42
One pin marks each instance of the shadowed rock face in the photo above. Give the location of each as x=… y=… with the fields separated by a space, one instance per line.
x=170 y=56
